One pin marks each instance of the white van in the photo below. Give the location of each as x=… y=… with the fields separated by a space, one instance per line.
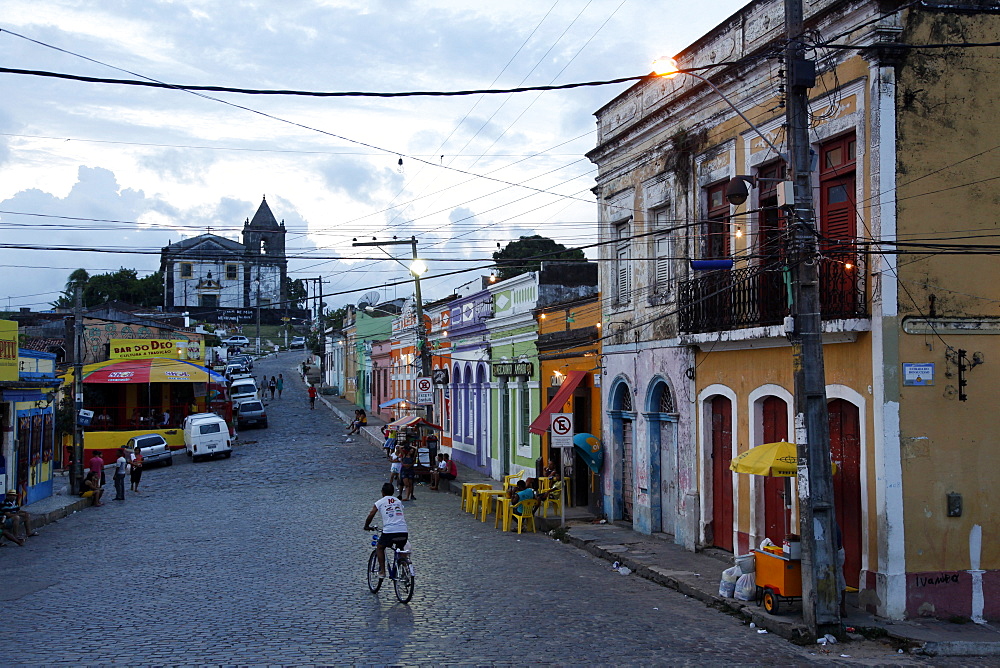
x=206 y=435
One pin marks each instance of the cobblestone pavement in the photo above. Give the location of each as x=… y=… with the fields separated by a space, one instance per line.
x=260 y=559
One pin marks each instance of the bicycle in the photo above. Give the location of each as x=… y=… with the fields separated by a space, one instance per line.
x=400 y=570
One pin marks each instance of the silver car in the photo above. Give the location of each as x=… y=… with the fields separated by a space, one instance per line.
x=251 y=413
x=153 y=447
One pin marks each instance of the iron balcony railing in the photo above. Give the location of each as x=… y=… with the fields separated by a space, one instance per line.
x=755 y=297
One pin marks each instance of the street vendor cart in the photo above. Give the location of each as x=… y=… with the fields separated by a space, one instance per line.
x=421 y=435
x=778 y=577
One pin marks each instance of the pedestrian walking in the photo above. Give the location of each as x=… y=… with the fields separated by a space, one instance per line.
x=272 y=385
x=136 y=465
x=121 y=465
x=312 y=397
x=281 y=385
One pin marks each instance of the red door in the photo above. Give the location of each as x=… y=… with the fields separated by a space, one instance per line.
x=775 y=428
x=722 y=477
x=845 y=450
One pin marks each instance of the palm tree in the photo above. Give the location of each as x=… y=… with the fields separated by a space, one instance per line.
x=66 y=299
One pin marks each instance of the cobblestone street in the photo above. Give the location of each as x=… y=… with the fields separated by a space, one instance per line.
x=260 y=559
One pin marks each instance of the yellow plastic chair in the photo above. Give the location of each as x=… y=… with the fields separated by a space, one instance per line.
x=469 y=492
x=508 y=480
x=474 y=498
x=527 y=510
x=553 y=499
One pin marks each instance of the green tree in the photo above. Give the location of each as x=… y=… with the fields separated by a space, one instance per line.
x=122 y=285
x=527 y=254
x=295 y=291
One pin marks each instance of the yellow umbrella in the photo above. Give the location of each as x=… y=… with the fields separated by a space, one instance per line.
x=770 y=459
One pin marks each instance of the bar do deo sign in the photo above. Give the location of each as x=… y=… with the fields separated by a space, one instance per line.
x=141 y=348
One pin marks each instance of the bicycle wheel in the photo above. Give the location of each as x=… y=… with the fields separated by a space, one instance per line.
x=374 y=581
x=404 y=582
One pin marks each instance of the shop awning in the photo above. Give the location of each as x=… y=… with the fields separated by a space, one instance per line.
x=411 y=421
x=149 y=370
x=391 y=403
x=540 y=425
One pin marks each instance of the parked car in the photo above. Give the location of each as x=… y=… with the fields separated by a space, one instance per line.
x=206 y=435
x=235 y=369
x=251 y=413
x=153 y=447
x=236 y=341
x=244 y=359
x=242 y=390
x=297 y=342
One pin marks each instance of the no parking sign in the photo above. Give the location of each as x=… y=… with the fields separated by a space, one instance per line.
x=562 y=430
x=425 y=394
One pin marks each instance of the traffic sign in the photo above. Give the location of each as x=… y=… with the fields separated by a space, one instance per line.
x=562 y=430
x=425 y=391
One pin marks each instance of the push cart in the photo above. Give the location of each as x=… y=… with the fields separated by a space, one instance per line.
x=778 y=578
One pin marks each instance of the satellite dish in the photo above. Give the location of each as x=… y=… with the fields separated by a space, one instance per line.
x=370 y=299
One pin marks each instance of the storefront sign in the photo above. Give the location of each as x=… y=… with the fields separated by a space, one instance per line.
x=513 y=369
x=130 y=349
x=8 y=350
x=918 y=374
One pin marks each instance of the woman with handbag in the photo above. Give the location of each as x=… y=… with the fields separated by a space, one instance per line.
x=136 y=464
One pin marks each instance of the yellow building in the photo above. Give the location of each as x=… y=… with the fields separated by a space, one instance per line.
x=569 y=348
x=697 y=294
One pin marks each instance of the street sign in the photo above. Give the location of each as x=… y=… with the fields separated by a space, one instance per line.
x=425 y=391
x=562 y=430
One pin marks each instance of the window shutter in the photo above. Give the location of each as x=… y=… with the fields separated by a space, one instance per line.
x=663 y=261
x=837 y=215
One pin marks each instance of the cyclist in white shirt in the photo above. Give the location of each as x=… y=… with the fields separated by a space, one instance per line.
x=394 y=530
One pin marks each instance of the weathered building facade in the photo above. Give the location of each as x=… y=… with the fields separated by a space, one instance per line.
x=698 y=365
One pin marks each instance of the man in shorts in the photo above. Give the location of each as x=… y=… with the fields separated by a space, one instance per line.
x=394 y=530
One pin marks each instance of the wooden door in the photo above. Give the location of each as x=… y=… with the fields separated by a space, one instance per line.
x=845 y=450
x=722 y=477
x=628 y=471
x=775 y=428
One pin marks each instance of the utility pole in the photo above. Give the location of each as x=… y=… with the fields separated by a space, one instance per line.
x=322 y=335
x=258 y=310
x=421 y=345
x=76 y=469
x=817 y=522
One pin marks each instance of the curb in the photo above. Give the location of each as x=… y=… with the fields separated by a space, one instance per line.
x=794 y=632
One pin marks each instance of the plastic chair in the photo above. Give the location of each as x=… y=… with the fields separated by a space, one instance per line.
x=553 y=498
x=527 y=510
x=469 y=492
x=473 y=504
x=508 y=480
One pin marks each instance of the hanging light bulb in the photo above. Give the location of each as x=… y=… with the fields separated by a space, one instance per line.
x=399 y=167
x=739 y=231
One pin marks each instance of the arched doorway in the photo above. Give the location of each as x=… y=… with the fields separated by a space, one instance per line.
x=622 y=415
x=845 y=451
x=722 y=477
x=661 y=416
x=774 y=428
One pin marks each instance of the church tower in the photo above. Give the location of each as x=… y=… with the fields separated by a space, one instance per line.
x=264 y=240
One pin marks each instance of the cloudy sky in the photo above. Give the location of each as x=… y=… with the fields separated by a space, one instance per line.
x=120 y=168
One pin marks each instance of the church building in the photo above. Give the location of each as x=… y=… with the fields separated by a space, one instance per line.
x=212 y=276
